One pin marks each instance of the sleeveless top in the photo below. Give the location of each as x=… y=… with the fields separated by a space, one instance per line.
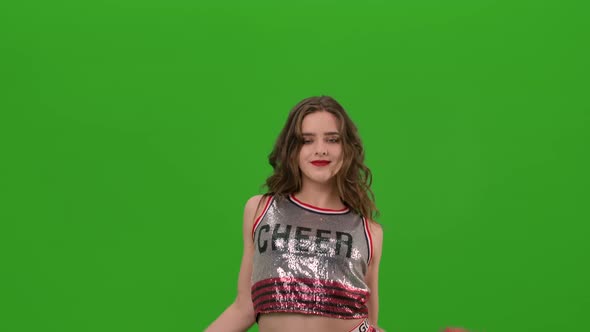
x=309 y=260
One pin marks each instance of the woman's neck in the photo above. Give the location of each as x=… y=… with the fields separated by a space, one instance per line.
x=322 y=196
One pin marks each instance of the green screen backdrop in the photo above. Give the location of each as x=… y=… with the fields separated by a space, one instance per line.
x=133 y=132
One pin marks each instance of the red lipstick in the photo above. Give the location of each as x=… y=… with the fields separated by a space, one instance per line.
x=320 y=162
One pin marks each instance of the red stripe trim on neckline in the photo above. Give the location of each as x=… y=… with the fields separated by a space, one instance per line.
x=315 y=208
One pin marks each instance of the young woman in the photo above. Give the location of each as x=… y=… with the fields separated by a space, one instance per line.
x=311 y=250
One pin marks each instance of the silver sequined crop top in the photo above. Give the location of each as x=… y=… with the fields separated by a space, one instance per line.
x=309 y=260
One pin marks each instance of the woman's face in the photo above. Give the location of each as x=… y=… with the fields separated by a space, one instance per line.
x=320 y=157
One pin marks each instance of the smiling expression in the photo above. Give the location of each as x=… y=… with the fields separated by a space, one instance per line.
x=320 y=157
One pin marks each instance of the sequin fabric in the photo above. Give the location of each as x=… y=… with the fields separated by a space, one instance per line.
x=310 y=261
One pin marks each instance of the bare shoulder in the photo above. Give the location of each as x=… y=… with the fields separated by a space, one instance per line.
x=377 y=234
x=253 y=207
x=376 y=229
x=252 y=203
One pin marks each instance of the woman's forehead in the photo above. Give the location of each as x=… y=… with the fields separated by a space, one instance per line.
x=320 y=123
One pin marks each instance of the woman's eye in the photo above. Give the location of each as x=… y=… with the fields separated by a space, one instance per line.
x=307 y=141
x=334 y=140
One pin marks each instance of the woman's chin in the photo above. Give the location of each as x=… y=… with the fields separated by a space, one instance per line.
x=322 y=180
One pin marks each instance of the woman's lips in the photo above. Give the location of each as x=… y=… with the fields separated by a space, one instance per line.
x=320 y=162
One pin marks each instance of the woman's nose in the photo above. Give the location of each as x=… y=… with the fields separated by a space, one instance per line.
x=321 y=149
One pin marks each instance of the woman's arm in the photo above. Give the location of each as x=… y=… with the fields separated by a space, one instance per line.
x=372 y=277
x=239 y=316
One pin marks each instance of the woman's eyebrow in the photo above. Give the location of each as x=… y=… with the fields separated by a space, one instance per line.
x=325 y=134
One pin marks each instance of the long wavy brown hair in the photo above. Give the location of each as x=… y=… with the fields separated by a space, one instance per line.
x=353 y=180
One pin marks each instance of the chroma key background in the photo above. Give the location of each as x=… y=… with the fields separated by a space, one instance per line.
x=133 y=132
